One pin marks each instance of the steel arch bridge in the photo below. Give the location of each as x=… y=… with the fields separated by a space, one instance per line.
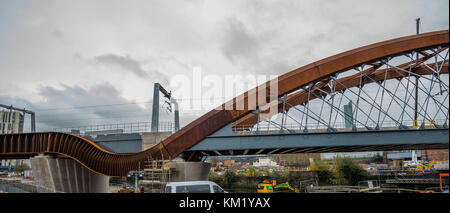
x=372 y=89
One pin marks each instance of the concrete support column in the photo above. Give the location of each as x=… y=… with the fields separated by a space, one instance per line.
x=67 y=175
x=150 y=139
x=190 y=171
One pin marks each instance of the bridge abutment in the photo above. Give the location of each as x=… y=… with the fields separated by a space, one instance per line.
x=67 y=175
x=190 y=171
x=150 y=139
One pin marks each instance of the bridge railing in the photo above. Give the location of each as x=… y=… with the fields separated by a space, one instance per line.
x=269 y=127
x=263 y=127
x=118 y=128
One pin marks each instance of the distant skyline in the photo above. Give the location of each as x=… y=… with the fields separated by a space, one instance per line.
x=57 y=56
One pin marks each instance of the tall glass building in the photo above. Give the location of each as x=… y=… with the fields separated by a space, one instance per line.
x=11 y=121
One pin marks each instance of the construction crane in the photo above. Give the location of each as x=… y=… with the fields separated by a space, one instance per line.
x=33 y=119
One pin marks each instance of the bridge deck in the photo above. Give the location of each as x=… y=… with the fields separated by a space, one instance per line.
x=323 y=142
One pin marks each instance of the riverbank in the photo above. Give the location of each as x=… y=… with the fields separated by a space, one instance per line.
x=20 y=185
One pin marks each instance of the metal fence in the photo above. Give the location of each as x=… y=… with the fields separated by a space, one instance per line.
x=119 y=128
x=267 y=126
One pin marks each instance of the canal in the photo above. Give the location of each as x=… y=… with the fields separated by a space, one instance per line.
x=11 y=189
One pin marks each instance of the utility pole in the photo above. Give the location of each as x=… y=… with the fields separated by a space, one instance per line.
x=136 y=178
x=416 y=123
x=155 y=111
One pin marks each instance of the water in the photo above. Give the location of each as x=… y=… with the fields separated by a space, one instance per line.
x=11 y=189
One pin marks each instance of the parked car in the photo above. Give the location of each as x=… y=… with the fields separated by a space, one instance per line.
x=193 y=187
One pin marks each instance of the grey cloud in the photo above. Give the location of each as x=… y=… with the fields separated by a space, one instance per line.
x=58 y=33
x=66 y=107
x=125 y=62
x=273 y=37
x=16 y=102
x=251 y=51
x=239 y=42
x=130 y=64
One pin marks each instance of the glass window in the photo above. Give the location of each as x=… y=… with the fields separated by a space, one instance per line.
x=193 y=189
x=168 y=189
x=217 y=189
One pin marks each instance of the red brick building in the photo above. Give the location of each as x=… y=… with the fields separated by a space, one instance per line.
x=435 y=154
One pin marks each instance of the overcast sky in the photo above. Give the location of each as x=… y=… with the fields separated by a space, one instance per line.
x=56 y=56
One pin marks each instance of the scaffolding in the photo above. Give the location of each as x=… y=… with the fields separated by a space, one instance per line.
x=157 y=174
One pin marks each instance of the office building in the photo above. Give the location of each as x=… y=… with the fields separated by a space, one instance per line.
x=11 y=121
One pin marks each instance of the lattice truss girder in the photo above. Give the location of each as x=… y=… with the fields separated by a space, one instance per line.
x=382 y=95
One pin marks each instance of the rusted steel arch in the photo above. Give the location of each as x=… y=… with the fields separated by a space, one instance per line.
x=322 y=88
x=112 y=164
x=294 y=80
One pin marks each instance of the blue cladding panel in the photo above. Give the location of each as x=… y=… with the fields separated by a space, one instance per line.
x=119 y=143
x=362 y=138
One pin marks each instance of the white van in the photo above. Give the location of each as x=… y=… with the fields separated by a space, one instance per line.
x=194 y=187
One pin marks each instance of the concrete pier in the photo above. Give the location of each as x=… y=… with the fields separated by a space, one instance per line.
x=67 y=175
x=150 y=139
x=190 y=171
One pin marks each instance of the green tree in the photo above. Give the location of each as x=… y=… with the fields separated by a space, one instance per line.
x=21 y=168
x=376 y=159
x=251 y=172
x=347 y=172
x=216 y=178
x=276 y=175
x=292 y=177
x=324 y=174
x=266 y=172
x=338 y=172
x=229 y=177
